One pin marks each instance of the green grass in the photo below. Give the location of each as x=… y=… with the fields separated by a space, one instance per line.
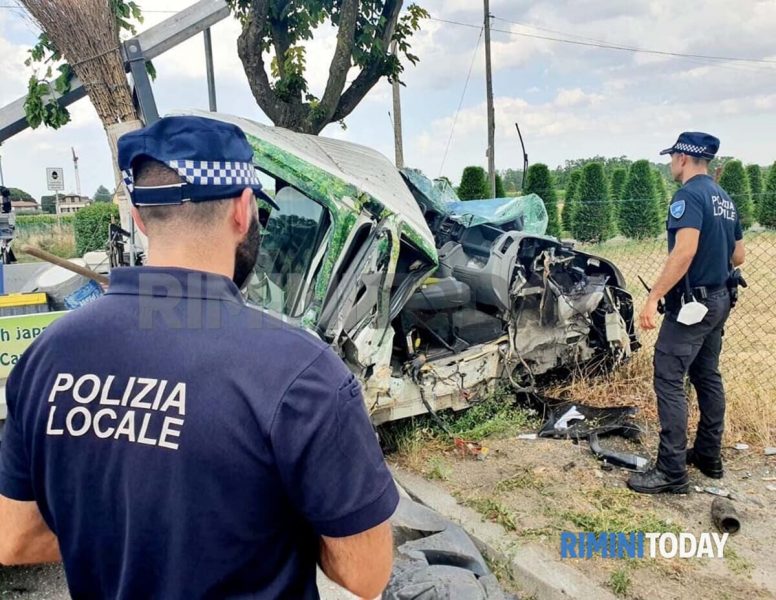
x=523 y=480
x=736 y=563
x=620 y=581
x=614 y=510
x=493 y=510
x=438 y=469
x=495 y=415
x=407 y=436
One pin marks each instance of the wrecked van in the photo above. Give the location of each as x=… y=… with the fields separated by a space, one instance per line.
x=429 y=300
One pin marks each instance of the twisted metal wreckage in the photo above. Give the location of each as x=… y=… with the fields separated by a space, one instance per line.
x=429 y=300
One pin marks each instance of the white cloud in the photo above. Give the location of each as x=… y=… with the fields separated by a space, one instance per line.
x=576 y=97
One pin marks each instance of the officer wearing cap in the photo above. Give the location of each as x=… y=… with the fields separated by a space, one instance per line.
x=704 y=243
x=167 y=440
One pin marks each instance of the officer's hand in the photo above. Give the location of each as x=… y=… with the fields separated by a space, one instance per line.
x=648 y=316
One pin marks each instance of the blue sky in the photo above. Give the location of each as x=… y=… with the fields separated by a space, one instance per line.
x=571 y=101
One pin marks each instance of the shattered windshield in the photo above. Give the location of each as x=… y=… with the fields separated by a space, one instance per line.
x=290 y=243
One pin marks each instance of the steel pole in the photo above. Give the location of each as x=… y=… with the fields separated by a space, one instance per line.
x=211 y=78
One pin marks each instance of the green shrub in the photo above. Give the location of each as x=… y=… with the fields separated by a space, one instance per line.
x=569 y=202
x=593 y=211
x=767 y=208
x=616 y=189
x=755 y=175
x=639 y=211
x=538 y=180
x=91 y=226
x=500 y=193
x=662 y=195
x=735 y=182
x=474 y=184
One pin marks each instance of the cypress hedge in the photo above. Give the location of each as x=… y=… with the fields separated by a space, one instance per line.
x=474 y=184
x=538 y=180
x=639 y=213
x=593 y=213
x=735 y=182
x=767 y=209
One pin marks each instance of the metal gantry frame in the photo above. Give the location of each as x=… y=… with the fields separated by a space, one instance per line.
x=147 y=45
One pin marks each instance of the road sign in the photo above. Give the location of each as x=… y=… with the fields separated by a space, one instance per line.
x=55 y=179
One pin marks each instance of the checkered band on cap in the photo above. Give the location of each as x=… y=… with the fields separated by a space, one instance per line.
x=201 y=172
x=682 y=147
x=128 y=180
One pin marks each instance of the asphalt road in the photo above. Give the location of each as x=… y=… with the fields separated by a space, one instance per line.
x=43 y=582
x=47 y=582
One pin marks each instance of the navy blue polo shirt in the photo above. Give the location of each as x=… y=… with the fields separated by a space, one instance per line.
x=181 y=444
x=703 y=205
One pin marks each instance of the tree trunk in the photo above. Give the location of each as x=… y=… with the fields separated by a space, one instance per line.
x=336 y=103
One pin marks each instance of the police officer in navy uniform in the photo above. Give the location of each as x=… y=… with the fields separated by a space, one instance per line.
x=169 y=441
x=705 y=244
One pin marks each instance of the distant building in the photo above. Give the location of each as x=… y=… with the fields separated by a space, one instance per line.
x=25 y=206
x=72 y=203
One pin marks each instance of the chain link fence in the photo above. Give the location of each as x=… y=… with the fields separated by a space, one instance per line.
x=749 y=353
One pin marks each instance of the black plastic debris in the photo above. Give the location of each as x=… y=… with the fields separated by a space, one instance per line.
x=435 y=559
x=572 y=420
x=575 y=420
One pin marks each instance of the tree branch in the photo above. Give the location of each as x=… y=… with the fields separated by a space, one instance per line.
x=282 y=42
x=340 y=63
x=249 y=45
x=371 y=74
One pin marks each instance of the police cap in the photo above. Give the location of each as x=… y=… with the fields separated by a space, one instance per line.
x=695 y=143
x=212 y=158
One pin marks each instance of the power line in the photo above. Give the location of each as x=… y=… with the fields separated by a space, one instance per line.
x=460 y=103
x=740 y=68
x=607 y=46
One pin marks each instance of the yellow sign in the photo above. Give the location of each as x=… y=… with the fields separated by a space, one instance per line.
x=17 y=333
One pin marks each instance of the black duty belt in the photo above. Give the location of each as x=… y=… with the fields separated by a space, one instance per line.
x=700 y=293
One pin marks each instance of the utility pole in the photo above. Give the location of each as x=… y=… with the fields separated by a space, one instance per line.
x=77 y=176
x=491 y=113
x=397 y=132
x=211 y=78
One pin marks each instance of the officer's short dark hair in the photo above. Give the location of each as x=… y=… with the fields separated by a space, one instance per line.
x=698 y=160
x=152 y=173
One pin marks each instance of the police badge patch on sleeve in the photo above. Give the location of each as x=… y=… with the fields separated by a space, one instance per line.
x=677 y=209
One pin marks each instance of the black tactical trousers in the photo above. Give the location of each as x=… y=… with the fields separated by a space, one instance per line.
x=690 y=349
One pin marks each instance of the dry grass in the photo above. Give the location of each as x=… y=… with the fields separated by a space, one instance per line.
x=58 y=239
x=749 y=353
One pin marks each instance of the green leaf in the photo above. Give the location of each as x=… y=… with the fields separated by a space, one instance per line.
x=151 y=70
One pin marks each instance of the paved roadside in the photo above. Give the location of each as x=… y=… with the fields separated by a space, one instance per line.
x=47 y=582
